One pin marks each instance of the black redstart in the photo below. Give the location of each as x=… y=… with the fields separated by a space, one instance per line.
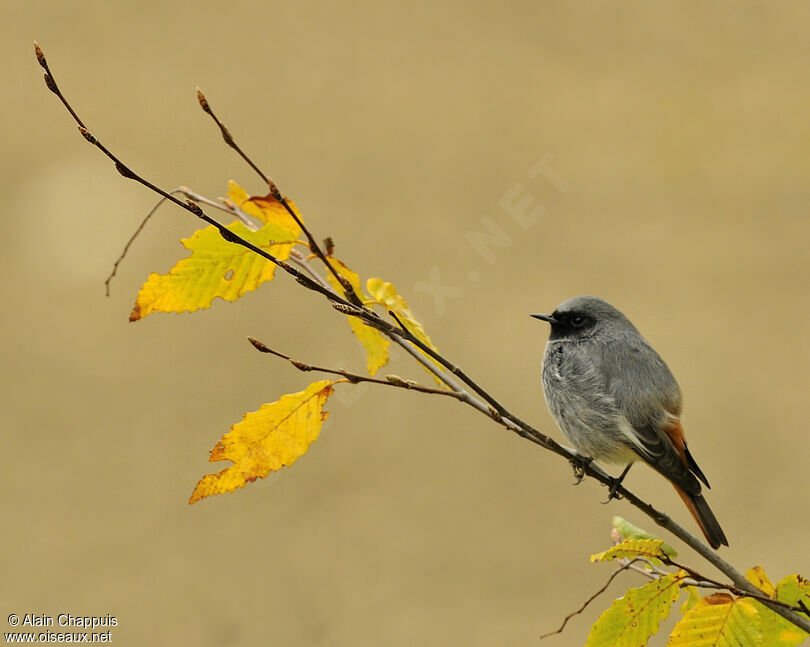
x=616 y=401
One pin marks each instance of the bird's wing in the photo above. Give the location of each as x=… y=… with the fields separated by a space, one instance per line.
x=648 y=396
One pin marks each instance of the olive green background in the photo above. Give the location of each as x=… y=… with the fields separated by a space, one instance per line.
x=681 y=132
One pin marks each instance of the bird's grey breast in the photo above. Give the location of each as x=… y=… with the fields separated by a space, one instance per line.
x=576 y=390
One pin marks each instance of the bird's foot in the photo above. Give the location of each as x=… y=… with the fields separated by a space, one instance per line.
x=580 y=464
x=615 y=484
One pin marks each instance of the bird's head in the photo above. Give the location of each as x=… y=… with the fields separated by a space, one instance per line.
x=585 y=316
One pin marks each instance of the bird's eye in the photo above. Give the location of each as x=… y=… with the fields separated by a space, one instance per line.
x=577 y=321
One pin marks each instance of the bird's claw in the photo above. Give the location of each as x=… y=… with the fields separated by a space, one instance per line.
x=613 y=490
x=580 y=463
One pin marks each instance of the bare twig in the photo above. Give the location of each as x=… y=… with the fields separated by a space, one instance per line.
x=612 y=577
x=131 y=240
x=354 y=378
x=183 y=190
x=274 y=191
x=189 y=205
x=351 y=305
x=707 y=582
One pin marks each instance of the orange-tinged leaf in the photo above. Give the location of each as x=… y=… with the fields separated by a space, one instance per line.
x=634 y=617
x=215 y=268
x=373 y=341
x=718 y=620
x=267 y=440
x=265 y=208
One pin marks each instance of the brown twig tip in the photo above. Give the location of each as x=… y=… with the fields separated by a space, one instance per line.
x=259 y=346
x=329 y=245
x=203 y=101
x=40 y=55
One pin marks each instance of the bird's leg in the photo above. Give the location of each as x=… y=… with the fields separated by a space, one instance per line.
x=615 y=483
x=579 y=463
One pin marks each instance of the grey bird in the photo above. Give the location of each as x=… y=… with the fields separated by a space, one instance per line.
x=616 y=400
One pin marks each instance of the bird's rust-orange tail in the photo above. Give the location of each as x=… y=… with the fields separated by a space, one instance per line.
x=704 y=517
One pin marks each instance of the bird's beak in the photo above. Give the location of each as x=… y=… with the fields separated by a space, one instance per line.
x=549 y=318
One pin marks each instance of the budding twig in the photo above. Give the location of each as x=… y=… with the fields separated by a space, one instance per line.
x=354 y=378
x=189 y=205
x=274 y=191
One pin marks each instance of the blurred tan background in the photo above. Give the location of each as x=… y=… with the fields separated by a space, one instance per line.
x=681 y=132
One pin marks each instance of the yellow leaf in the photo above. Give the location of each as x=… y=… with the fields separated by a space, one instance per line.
x=386 y=294
x=373 y=341
x=718 y=620
x=267 y=440
x=778 y=632
x=265 y=208
x=648 y=548
x=633 y=618
x=758 y=578
x=215 y=268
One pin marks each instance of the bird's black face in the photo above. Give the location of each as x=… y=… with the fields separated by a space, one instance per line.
x=568 y=324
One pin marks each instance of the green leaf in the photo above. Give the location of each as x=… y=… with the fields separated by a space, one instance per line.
x=776 y=631
x=633 y=618
x=629 y=531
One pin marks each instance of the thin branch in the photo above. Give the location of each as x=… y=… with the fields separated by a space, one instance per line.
x=303 y=262
x=221 y=204
x=354 y=378
x=354 y=307
x=189 y=205
x=708 y=582
x=274 y=190
x=131 y=240
x=590 y=599
x=183 y=190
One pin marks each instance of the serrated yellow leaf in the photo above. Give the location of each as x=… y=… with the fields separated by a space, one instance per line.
x=630 y=531
x=215 y=268
x=758 y=578
x=267 y=440
x=633 y=618
x=265 y=208
x=649 y=548
x=386 y=294
x=718 y=620
x=373 y=341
